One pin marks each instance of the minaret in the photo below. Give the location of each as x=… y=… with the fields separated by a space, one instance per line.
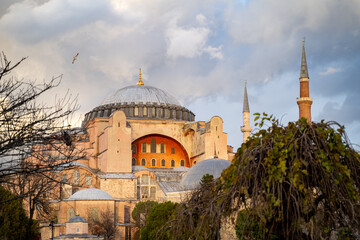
x=246 y=129
x=304 y=101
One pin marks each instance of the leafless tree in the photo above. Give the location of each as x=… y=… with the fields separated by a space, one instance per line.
x=35 y=138
x=104 y=225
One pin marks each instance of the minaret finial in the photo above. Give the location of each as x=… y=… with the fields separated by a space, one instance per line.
x=303 y=41
x=140 y=82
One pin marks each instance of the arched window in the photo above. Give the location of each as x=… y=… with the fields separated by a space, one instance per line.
x=136 y=111
x=182 y=163
x=145 y=111
x=133 y=149
x=94 y=214
x=163 y=163
x=162 y=148
x=153 y=145
x=70 y=213
x=144 y=147
x=64 y=178
x=143 y=162
x=88 y=180
x=134 y=161
x=153 y=162
x=173 y=163
x=172 y=150
x=76 y=177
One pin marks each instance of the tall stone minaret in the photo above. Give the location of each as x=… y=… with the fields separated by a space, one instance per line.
x=304 y=101
x=246 y=129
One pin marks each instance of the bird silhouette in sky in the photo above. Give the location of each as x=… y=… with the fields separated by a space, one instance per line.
x=75 y=58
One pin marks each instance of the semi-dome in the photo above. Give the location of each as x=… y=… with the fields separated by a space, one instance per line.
x=141 y=102
x=90 y=194
x=141 y=94
x=213 y=167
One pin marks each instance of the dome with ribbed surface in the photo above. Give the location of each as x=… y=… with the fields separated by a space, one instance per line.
x=90 y=194
x=213 y=167
x=141 y=94
x=141 y=102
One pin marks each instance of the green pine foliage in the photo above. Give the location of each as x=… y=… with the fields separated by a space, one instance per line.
x=156 y=227
x=141 y=211
x=13 y=219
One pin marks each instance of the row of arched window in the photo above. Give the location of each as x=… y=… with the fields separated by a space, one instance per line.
x=76 y=178
x=152 y=147
x=163 y=162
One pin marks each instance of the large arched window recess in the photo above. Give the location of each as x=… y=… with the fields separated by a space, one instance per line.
x=134 y=161
x=153 y=162
x=173 y=163
x=143 y=162
x=163 y=163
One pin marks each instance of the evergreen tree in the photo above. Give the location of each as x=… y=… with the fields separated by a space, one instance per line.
x=13 y=219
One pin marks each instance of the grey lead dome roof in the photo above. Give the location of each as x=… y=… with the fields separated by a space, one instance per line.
x=141 y=94
x=141 y=102
x=90 y=194
x=211 y=166
x=77 y=219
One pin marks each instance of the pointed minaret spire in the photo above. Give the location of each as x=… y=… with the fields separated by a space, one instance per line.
x=303 y=70
x=246 y=129
x=246 y=101
x=304 y=101
x=140 y=82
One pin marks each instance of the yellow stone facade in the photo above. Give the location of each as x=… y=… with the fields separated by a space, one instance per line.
x=109 y=178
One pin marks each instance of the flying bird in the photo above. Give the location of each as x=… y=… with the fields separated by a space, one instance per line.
x=75 y=58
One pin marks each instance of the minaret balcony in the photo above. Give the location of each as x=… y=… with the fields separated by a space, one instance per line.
x=246 y=129
x=304 y=99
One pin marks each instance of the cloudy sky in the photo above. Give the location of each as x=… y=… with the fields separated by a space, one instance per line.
x=199 y=51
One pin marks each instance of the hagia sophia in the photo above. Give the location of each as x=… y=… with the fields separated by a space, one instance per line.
x=142 y=144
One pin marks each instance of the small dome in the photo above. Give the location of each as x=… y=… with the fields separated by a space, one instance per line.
x=141 y=94
x=77 y=219
x=90 y=194
x=211 y=166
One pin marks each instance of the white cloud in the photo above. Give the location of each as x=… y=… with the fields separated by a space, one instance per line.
x=184 y=42
x=201 y=19
x=214 y=52
x=191 y=48
x=331 y=70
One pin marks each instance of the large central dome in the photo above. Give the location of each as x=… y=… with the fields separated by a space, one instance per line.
x=141 y=102
x=141 y=94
